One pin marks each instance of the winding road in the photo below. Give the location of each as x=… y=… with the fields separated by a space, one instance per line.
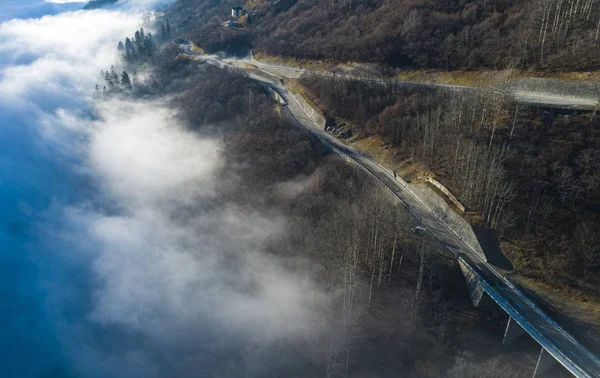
x=528 y=97
x=553 y=338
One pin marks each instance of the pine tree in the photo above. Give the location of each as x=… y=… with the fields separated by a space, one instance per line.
x=111 y=86
x=114 y=76
x=168 y=28
x=125 y=82
x=149 y=46
x=128 y=43
x=134 y=78
x=163 y=32
x=139 y=42
x=130 y=51
x=120 y=46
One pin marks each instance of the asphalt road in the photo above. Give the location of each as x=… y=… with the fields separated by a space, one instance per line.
x=569 y=352
x=529 y=97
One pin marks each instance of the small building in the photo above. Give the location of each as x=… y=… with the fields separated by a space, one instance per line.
x=237 y=11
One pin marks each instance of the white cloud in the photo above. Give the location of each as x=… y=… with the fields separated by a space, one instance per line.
x=65 y=1
x=164 y=272
x=59 y=55
x=81 y=36
x=144 y=155
x=167 y=260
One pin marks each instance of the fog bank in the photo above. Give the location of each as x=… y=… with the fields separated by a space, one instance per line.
x=121 y=259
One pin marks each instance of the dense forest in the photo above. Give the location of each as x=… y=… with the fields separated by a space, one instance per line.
x=136 y=52
x=394 y=303
x=531 y=174
x=533 y=34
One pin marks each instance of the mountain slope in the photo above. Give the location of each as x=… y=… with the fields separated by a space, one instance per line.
x=447 y=34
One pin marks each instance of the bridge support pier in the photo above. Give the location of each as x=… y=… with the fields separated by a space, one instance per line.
x=513 y=331
x=478 y=296
x=545 y=361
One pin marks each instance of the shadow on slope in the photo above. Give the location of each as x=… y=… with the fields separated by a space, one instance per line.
x=491 y=247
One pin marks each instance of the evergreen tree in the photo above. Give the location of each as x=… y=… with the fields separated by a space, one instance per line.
x=163 y=33
x=125 y=81
x=120 y=46
x=111 y=86
x=130 y=53
x=149 y=46
x=128 y=44
x=139 y=42
x=134 y=78
x=168 y=28
x=114 y=76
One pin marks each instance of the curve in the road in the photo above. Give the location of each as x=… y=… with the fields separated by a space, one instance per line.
x=550 y=335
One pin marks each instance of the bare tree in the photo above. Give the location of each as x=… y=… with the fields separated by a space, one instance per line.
x=587 y=239
x=466 y=367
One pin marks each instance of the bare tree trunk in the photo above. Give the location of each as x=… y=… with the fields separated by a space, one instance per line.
x=544 y=31
x=381 y=265
x=392 y=258
x=371 y=286
x=422 y=253
x=512 y=129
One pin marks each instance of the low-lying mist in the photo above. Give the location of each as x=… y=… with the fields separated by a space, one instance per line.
x=120 y=256
x=170 y=261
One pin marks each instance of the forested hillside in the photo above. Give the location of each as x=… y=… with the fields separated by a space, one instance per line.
x=391 y=301
x=531 y=174
x=533 y=34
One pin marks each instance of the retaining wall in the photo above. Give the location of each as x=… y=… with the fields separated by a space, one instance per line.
x=318 y=119
x=444 y=190
x=453 y=221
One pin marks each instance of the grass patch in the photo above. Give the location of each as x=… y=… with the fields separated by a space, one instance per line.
x=488 y=78
x=181 y=56
x=295 y=87
x=197 y=49
x=466 y=78
x=315 y=65
x=389 y=157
